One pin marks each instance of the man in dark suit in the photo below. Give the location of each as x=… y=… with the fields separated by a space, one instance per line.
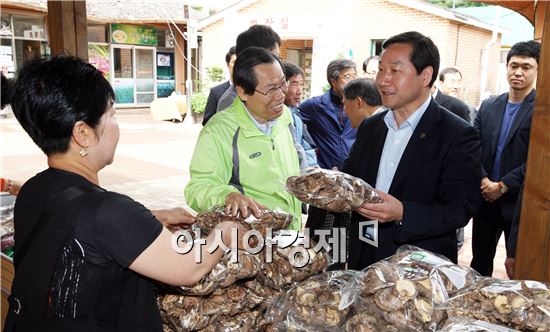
x=217 y=91
x=423 y=160
x=455 y=105
x=504 y=124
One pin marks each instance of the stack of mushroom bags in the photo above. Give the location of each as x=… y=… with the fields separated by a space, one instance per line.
x=414 y=290
x=236 y=293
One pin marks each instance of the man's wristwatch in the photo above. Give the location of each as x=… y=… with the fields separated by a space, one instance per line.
x=502 y=187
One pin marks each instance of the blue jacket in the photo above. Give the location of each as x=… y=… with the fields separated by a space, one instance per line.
x=304 y=137
x=329 y=127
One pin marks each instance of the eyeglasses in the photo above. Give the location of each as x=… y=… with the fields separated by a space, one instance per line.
x=348 y=77
x=269 y=93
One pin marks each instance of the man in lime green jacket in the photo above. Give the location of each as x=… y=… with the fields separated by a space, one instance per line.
x=245 y=153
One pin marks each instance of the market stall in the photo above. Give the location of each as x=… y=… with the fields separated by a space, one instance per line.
x=413 y=290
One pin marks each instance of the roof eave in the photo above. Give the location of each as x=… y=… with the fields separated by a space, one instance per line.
x=448 y=14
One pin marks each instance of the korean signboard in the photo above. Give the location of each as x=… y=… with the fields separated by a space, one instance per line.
x=133 y=34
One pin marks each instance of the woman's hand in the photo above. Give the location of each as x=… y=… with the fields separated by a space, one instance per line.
x=174 y=217
x=227 y=228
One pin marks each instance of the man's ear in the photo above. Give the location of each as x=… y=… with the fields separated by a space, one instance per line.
x=332 y=82
x=427 y=75
x=241 y=93
x=359 y=102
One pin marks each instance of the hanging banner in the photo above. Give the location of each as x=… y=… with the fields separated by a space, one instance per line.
x=133 y=34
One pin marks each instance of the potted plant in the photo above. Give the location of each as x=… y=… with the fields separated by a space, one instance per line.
x=198 y=103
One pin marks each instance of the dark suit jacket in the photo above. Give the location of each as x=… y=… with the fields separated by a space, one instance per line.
x=516 y=145
x=437 y=180
x=212 y=102
x=454 y=105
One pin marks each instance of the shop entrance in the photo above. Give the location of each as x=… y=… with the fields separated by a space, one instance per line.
x=134 y=74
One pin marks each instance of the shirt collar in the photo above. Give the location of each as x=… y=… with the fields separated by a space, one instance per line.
x=334 y=97
x=412 y=120
x=512 y=108
x=263 y=127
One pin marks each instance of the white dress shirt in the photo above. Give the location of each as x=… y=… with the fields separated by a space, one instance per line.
x=396 y=142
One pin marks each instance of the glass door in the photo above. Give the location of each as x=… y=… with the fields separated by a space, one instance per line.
x=123 y=74
x=145 y=75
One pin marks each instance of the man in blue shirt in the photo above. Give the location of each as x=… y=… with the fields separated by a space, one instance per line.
x=504 y=124
x=325 y=119
x=333 y=134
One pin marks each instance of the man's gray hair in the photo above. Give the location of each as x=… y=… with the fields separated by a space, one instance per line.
x=335 y=67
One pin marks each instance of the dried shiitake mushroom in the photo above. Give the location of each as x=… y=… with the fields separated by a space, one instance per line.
x=361 y=323
x=501 y=304
x=424 y=310
x=275 y=220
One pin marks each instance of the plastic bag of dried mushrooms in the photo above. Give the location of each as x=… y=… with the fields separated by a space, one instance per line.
x=523 y=305
x=233 y=307
x=232 y=267
x=471 y=325
x=275 y=220
x=402 y=291
x=320 y=303
x=286 y=263
x=331 y=190
x=234 y=296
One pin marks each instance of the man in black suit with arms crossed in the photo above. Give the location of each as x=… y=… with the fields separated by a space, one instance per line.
x=504 y=124
x=423 y=160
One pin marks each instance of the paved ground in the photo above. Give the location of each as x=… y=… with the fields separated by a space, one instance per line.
x=151 y=164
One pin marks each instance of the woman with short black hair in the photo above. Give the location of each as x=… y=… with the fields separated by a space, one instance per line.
x=84 y=255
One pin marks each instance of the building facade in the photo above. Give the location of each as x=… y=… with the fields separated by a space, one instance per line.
x=316 y=32
x=139 y=51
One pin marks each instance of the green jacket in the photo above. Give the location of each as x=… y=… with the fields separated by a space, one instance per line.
x=233 y=155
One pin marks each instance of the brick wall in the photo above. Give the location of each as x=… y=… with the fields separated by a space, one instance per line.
x=459 y=45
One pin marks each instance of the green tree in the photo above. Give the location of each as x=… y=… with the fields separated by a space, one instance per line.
x=215 y=73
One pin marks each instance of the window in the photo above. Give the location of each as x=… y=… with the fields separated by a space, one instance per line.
x=23 y=38
x=28 y=27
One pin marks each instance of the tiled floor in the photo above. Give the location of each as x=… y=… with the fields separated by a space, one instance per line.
x=151 y=164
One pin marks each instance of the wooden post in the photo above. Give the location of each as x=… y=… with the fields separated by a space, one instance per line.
x=179 y=51
x=533 y=249
x=540 y=14
x=67 y=26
